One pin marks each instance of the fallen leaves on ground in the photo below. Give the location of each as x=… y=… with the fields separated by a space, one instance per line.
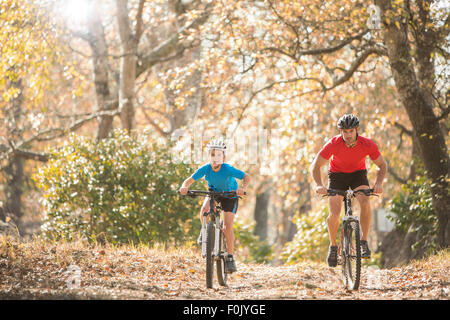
x=39 y=270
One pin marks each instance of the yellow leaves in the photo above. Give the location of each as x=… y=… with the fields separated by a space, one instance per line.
x=11 y=93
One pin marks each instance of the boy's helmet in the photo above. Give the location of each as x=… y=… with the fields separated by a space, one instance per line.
x=216 y=145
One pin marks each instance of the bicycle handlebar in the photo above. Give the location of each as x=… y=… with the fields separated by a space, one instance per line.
x=195 y=193
x=333 y=192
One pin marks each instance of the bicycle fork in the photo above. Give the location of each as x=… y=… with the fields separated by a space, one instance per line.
x=204 y=237
x=217 y=242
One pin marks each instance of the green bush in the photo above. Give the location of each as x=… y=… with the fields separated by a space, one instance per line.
x=249 y=246
x=121 y=189
x=311 y=240
x=413 y=212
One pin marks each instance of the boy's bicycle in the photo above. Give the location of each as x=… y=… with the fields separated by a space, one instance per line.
x=349 y=250
x=214 y=247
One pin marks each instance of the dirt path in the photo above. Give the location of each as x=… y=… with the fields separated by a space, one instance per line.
x=30 y=271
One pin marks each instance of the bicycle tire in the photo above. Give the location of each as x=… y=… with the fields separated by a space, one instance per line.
x=209 y=254
x=221 y=270
x=352 y=255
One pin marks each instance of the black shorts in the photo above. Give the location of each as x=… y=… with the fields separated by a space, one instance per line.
x=228 y=204
x=344 y=180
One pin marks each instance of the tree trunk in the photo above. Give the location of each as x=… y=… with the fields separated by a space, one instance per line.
x=129 y=42
x=261 y=213
x=431 y=141
x=14 y=189
x=100 y=68
x=14 y=173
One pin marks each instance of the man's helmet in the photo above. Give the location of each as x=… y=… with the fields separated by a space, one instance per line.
x=348 y=121
x=216 y=145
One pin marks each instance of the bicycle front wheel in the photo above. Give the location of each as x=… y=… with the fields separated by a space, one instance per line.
x=209 y=254
x=352 y=255
x=221 y=272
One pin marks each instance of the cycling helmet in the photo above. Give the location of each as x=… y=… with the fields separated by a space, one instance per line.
x=216 y=145
x=348 y=121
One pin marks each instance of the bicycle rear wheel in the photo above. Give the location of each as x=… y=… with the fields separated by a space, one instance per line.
x=209 y=254
x=221 y=271
x=351 y=255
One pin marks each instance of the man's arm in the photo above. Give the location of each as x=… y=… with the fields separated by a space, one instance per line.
x=318 y=163
x=381 y=163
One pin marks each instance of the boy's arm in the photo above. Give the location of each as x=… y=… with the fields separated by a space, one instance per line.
x=246 y=182
x=186 y=184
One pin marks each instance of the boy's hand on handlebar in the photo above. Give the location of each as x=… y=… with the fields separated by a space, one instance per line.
x=184 y=191
x=240 y=192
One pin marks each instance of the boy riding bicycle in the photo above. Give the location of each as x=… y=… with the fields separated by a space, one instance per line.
x=221 y=177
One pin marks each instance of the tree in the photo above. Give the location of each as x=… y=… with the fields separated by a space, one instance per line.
x=326 y=46
x=136 y=57
x=30 y=52
x=406 y=55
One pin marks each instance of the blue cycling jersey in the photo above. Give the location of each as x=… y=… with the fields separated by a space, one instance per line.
x=222 y=180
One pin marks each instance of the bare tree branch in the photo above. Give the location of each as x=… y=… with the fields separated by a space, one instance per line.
x=18 y=149
x=172 y=44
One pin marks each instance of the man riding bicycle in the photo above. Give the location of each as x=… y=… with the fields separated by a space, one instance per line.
x=221 y=177
x=348 y=152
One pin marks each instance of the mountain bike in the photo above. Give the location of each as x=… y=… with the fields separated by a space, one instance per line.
x=349 y=249
x=214 y=246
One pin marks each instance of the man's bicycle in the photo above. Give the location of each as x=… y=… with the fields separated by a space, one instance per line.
x=349 y=250
x=214 y=246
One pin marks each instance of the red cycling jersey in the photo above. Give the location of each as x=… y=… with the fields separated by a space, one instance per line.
x=345 y=159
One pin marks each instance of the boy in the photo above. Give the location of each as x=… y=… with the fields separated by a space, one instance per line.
x=221 y=177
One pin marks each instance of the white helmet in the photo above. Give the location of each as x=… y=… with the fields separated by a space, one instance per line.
x=216 y=145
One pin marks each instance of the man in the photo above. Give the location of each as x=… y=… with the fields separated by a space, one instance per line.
x=221 y=177
x=348 y=152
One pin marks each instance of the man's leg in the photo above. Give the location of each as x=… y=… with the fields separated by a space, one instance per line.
x=335 y=203
x=365 y=220
x=366 y=213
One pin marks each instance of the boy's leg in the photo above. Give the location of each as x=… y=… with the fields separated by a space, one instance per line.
x=205 y=208
x=228 y=230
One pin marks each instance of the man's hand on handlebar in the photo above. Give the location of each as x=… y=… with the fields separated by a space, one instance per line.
x=378 y=188
x=321 y=190
x=183 y=191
